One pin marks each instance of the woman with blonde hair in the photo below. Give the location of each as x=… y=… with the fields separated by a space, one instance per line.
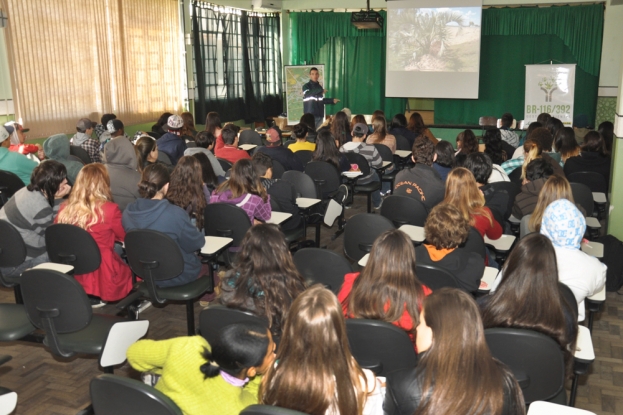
x=316 y=372
x=532 y=151
x=380 y=134
x=555 y=188
x=387 y=289
x=90 y=207
x=456 y=373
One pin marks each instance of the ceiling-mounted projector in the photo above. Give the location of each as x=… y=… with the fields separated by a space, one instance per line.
x=367 y=19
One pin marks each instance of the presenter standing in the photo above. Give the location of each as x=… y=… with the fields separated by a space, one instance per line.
x=313 y=97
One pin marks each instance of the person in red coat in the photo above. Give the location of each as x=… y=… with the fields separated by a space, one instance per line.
x=90 y=206
x=387 y=289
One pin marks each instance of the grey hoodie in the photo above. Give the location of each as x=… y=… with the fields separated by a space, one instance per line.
x=121 y=163
x=56 y=147
x=216 y=166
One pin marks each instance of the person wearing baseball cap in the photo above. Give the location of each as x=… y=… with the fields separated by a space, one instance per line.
x=278 y=152
x=18 y=138
x=14 y=162
x=171 y=143
x=83 y=139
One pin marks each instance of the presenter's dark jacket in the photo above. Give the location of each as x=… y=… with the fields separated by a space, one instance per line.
x=313 y=100
x=422 y=183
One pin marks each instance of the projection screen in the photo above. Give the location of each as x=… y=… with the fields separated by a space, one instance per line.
x=433 y=48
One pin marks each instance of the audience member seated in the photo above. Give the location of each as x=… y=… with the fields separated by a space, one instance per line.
x=244 y=190
x=451 y=335
x=13 y=162
x=555 y=188
x=264 y=279
x=280 y=191
x=508 y=136
x=101 y=130
x=300 y=132
x=594 y=157
x=159 y=128
x=443 y=158
x=359 y=118
x=188 y=132
x=114 y=129
x=230 y=151
x=446 y=229
x=83 y=139
x=529 y=295
x=537 y=173
x=147 y=152
x=553 y=125
x=90 y=206
x=210 y=180
x=316 y=371
x=171 y=143
x=581 y=127
x=214 y=127
x=380 y=135
x=519 y=152
x=186 y=189
x=360 y=145
x=480 y=166
x=387 y=288
x=534 y=147
x=309 y=121
x=564 y=225
x=565 y=144
x=205 y=142
x=494 y=146
x=220 y=378
x=327 y=150
x=543 y=118
x=398 y=126
x=122 y=165
x=606 y=129
x=153 y=211
x=466 y=143
x=546 y=140
x=56 y=148
x=275 y=149
x=33 y=208
x=421 y=182
x=416 y=124
x=18 y=142
x=340 y=128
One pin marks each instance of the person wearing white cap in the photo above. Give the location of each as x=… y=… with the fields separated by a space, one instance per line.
x=172 y=144
x=18 y=138
x=14 y=162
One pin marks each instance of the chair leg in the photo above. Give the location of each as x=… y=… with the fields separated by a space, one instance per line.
x=190 y=317
x=369 y=202
x=87 y=411
x=574 y=390
x=109 y=369
x=317 y=235
x=591 y=316
x=17 y=291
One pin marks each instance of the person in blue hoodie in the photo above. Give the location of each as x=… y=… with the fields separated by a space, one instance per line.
x=154 y=212
x=171 y=143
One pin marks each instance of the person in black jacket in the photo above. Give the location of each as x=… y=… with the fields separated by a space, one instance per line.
x=313 y=97
x=277 y=151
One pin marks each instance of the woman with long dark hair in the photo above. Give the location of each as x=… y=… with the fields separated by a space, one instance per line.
x=416 y=124
x=340 y=128
x=456 y=373
x=466 y=142
x=398 y=126
x=186 y=189
x=594 y=157
x=565 y=143
x=210 y=180
x=327 y=150
x=443 y=160
x=493 y=146
x=380 y=135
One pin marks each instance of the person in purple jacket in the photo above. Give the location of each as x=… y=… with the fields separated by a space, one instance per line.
x=245 y=190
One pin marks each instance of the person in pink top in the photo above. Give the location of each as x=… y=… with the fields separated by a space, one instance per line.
x=90 y=206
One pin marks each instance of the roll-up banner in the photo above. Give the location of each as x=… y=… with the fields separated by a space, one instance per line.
x=550 y=89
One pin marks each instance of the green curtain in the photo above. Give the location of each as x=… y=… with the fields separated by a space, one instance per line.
x=354 y=60
x=515 y=37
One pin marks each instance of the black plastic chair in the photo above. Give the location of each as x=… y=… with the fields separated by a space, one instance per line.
x=386 y=155
x=225 y=220
x=81 y=153
x=14 y=322
x=475 y=243
x=72 y=245
x=583 y=196
x=435 y=277
x=164 y=157
x=364 y=166
x=322 y=266
x=250 y=137
x=305 y=187
x=288 y=143
x=291 y=235
x=534 y=358
x=8 y=398
x=402 y=143
x=9 y=184
x=75 y=158
x=226 y=165
x=595 y=181
x=116 y=395
x=325 y=176
x=215 y=317
x=380 y=346
x=154 y=256
x=278 y=170
x=12 y=254
x=512 y=190
x=57 y=304
x=304 y=155
x=360 y=233
x=191 y=144
x=268 y=410
x=404 y=210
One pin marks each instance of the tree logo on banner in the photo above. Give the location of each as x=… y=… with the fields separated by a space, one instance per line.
x=548 y=85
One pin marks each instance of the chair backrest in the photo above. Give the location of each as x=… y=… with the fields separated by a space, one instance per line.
x=226 y=165
x=402 y=210
x=304 y=155
x=524 y=226
x=380 y=346
x=304 y=185
x=434 y=277
x=385 y=152
x=215 y=317
x=9 y=184
x=191 y=144
x=361 y=231
x=153 y=255
x=116 y=395
x=325 y=176
x=488 y=121
x=250 y=137
x=583 y=196
x=512 y=190
x=475 y=243
x=80 y=153
x=288 y=142
x=72 y=245
x=402 y=143
x=223 y=219
x=268 y=410
x=595 y=181
x=278 y=169
x=12 y=246
x=322 y=266
x=534 y=358
x=361 y=161
x=164 y=157
x=75 y=158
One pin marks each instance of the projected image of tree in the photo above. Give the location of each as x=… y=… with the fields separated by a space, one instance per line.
x=441 y=39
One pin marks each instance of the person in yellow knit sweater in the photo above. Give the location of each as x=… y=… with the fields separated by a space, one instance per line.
x=222 y=378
